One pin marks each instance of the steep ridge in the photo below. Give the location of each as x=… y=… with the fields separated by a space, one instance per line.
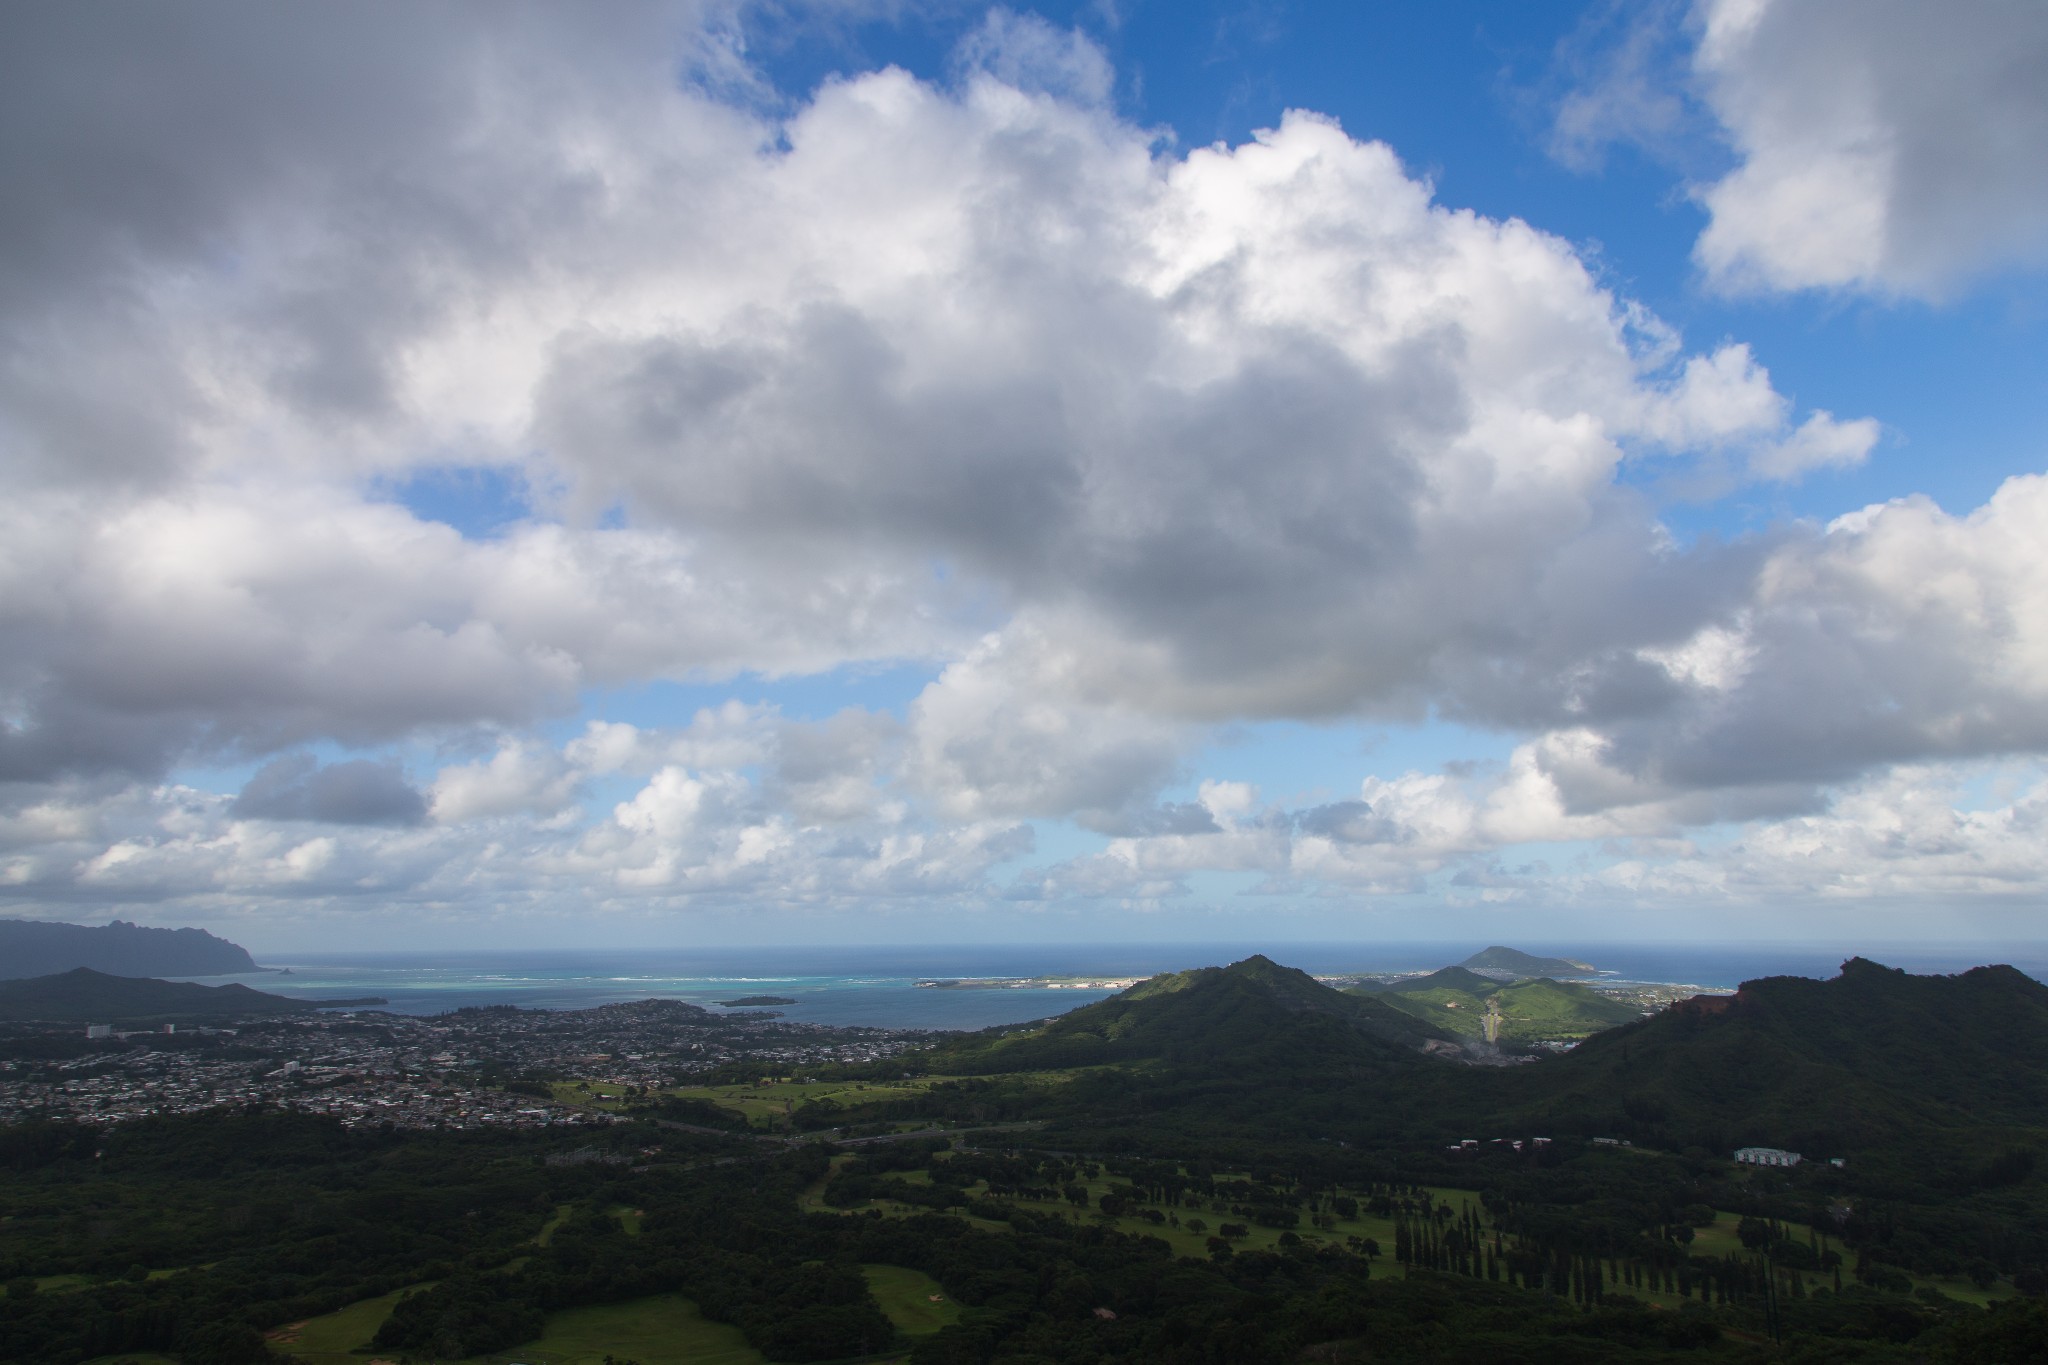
x=1822 y=1067
x=87 y=996
x=1252 y=1018
x=44 y=948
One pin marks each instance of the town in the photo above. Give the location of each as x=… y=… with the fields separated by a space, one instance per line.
x=473 y=1068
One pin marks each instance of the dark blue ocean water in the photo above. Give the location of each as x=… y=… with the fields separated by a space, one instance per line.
x=877 y=985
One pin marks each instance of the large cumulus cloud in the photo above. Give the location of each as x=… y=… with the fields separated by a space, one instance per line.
x=1120 y=441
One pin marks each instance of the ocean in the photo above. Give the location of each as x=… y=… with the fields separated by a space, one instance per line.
x=877 y=986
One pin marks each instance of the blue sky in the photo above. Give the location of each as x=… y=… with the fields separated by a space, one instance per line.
x=877 y=472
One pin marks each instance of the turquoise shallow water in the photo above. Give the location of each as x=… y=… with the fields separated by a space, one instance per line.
x=877 y=986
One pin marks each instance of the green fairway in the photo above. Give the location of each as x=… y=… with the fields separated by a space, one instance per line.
x=767 y=1103
x=57 y=1284
x=666 y=1329
x=547 y=1231
x=1723 y=1239
x=333 y=1336
x=1175 y=1232
x=913 y=1300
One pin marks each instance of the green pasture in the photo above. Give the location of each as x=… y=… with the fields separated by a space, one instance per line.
x=912 y=1300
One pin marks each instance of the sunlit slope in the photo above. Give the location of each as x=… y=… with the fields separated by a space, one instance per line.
x=1458 y=1002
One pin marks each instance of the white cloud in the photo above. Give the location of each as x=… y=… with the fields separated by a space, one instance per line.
x=1253 y=431
x=1821 y=442
x=1119 y=442
x=1888 y=145
x=1911 y=835
x=1024 y=52
x=520 y=778
x=1010 y=731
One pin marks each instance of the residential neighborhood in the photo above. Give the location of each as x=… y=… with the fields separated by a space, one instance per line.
x=374 y=1068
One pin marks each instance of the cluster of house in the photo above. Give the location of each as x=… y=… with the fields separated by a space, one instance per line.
x=1778 y=1156
x=1474 y=1144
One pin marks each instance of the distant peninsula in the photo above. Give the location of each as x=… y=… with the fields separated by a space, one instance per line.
x=43 y=948
x=1020 y=983
x=749 y=1000
x=1513 y=964
x=86 y=996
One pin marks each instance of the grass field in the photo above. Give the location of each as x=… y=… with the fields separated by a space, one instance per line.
x=1184 y=1240
x=911 y=1299
x=1722 y=1239
x=666 y=1329
x=760 y=1105
x=770 y=1105
x=1712 y=1242
x=58 y=1284
x=547 y=1230
x=334 y=1336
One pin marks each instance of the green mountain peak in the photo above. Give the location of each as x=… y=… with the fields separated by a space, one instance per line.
x=1254 y=1016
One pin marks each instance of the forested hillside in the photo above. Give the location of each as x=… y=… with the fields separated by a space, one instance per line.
x=1232 y=1165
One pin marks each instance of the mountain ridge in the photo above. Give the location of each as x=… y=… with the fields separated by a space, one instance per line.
x=83 y=995
x=1253 y=1013
x=1818 y=1066
x=31 y=948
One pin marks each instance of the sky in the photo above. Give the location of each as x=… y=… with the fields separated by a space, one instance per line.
x=870 y=471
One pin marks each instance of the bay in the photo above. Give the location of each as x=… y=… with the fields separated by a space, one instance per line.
x=877 y=985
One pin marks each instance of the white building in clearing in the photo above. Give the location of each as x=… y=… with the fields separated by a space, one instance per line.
x=1767 y=1156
